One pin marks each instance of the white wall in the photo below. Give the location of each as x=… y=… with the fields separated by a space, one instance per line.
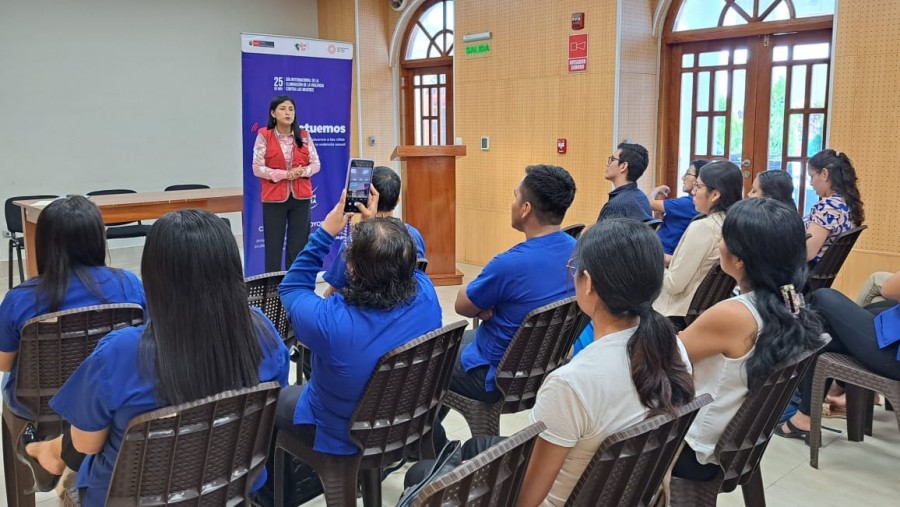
x=134 y=94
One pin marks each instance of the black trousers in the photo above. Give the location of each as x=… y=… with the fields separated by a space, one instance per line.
x=294 y=214
x=71 y=457
x=687 y=467
x=852 y=331
x=467 y=383
x=284 y=417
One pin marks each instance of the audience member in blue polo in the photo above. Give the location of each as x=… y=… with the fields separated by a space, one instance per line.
x=678 y=211
x=386 y=303
x=527 y=276
x=188 y=255
x=386 y=185
x=70 y=247
x=623 y=170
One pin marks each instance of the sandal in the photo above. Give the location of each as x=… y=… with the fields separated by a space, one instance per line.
x=43 y=480
x=795 y=432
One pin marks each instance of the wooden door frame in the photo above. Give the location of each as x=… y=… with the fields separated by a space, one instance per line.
x=407 y=101
x=671 y=50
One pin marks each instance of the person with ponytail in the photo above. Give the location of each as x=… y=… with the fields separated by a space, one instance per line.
x=618 y=271
x=201 y=339
x=718 y=185
x=735 y=345
x=284 y=160
x=840 y=208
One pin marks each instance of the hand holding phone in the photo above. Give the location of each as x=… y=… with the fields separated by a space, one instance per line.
x=359 y=180
x=336 y=219
x=371 y=208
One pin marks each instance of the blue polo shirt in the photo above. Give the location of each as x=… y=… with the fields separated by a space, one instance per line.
x=21 y=305
x=107 y=391
x=527 y=276
x=336 y=276
x=627 y=201
x=346 y=343
x=678 y=215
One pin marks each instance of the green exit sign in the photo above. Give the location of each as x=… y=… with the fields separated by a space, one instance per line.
x=478 y=50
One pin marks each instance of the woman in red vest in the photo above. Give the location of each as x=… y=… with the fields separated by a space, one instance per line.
x=284 y=159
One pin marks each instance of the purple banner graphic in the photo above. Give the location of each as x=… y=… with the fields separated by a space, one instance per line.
x=318 y=75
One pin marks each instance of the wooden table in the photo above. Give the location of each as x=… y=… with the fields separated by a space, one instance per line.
x=131 y=207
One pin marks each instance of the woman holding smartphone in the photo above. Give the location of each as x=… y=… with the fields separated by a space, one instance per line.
x=284 y=160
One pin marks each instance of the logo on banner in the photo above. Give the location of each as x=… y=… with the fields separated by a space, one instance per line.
x=301 y=46
x=254 y=127
x=578 y=52
x=332 y=49
x=262 y=44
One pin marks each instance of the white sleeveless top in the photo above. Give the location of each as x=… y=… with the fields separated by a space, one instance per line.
x=726 y=380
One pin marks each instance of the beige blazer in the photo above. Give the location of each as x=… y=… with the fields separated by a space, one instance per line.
x=695 y=255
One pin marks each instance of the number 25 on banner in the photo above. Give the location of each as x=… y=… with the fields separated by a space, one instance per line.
x=578 y=52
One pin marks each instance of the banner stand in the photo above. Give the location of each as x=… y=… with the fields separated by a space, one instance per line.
x=318 y=75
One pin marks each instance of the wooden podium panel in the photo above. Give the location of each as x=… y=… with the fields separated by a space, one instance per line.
x=429 y=204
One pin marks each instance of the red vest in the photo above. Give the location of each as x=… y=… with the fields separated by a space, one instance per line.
x=278 y=192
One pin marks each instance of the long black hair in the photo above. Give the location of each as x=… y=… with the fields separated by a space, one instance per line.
x=725 y=177
x=381 y=262
x=843 y=180
x=201 y=338
x=769 y=237
x=295 y=127
x=70 y=238
x=625 y=261
x=778 y=185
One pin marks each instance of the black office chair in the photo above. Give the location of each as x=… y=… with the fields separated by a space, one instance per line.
x=193 y=186
x=122 y=230
x=186 y=186
x=15 y=228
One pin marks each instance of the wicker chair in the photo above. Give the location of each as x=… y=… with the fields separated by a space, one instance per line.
x=52 y=347
x=574 y=230
x=262 y=292
x=494 y=477
x=742 y=444
x=630 y=465
x=861 y=386
x=824 y=273
x=205 y=452
x=540 y=345
x=716 y=286
x=393 y=419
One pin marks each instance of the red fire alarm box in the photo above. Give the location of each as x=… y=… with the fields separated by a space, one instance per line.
x=560 y=146
x=578 y=21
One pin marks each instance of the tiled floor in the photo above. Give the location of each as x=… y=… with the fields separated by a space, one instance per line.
x=849 y=474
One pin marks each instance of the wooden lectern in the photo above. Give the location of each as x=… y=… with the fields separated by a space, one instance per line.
x=429 y=204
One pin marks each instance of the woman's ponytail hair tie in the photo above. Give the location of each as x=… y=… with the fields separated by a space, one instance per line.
x=793 y=301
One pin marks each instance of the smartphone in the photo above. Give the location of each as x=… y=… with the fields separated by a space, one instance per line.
x=359 y=178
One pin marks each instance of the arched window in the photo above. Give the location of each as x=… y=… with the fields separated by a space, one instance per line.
x=427 y=75
x=747 y=81
x=698 y=14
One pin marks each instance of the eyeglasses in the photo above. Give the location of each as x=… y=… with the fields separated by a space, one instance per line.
x=611 y=158
x=572 y=268
x=698 y=185
x=688 y=175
